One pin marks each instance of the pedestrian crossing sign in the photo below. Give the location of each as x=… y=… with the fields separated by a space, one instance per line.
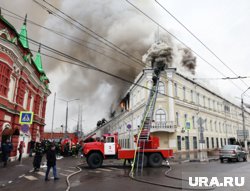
x=26 y=117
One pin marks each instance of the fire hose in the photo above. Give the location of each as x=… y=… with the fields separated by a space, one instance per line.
x=131 y=175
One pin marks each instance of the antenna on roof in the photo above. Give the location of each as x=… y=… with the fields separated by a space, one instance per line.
x=25 y=20
x=39 y=48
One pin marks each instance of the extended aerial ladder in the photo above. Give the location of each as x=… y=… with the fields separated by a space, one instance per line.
x=146 y=123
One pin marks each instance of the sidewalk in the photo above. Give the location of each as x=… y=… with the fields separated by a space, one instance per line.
x=14 y=170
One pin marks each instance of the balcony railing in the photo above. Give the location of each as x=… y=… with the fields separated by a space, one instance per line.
x=167 y=126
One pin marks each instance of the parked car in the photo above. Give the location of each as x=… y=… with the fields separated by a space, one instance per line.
x=232 y=152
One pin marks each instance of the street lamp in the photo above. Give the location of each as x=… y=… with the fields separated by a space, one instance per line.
x=243 y=119
x=67 y=109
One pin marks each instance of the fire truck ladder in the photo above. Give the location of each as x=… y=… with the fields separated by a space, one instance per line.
x=144 y=130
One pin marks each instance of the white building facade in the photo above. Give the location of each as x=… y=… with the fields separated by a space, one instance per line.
x=180 y=101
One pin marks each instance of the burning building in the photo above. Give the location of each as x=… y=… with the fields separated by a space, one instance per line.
x=180 y=103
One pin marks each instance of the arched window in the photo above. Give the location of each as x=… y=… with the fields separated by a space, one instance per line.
x=160 y=116
x=161 y=88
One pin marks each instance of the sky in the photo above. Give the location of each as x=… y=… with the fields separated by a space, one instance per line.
x=220 y=25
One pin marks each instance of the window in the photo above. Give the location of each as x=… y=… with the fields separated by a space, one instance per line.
x=211 y=125
x=198 y=99
x=161 y=88
x=221 y=142
x=193 y=121
x=194 y=142
x=160 y=116
x=179 y=143
x=177 y=119
x=212 y=142
x=25 y=102
x=184 y=93
x=220 y=127
x=215 y=126
x=217 y=142
x=12 y=87
x=186 y=142
x=204 y=101
x=31 y=103
x=213 y=105
x=175 y=90
x=192 y=96
x=207 y=142
x=5 y=72
x=209 y=104
x=185 y=120
x=40 y=108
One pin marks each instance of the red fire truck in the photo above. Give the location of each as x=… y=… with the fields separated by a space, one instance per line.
x=109 y=148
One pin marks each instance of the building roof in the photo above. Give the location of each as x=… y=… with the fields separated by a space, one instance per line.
x=38 y=61
x=23 y=34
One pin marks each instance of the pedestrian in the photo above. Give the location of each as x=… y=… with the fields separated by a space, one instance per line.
x=38 y=156
x=21 y=149
x=32 y=146
x=51 y=162
x=6 y=149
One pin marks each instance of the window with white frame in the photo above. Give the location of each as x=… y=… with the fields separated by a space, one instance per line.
x=209 y=104
x=175 y=90
x=160 y=116
x=193 y=121
x=211 y=125
x=215 y=126
x=204 y=101
x=184 y=93
x=177 y=119
x=25 y=101
x=40 y=108
x=31 y=103
x=161 y=88
x=192 y=95
x=12 y=86
x=198 y=99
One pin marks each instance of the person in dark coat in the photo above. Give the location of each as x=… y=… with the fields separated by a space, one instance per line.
x=38 y=157
x=21 y=149
x=32 y=146
x=51 y=162
x=6 y=149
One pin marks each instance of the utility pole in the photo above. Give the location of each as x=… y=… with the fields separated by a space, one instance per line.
x=243 y=119
x=53 y=115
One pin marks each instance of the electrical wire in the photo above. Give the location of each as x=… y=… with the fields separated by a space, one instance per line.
x=190 y=32
x=88 y=31
x=71 y=38
x=179 y=40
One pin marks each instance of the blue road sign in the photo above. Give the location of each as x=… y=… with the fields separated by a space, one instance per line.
x=26 y=117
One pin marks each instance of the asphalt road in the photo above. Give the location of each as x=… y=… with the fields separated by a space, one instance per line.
x=113 y=176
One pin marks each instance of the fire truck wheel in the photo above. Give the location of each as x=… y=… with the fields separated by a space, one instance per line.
x=95 y=160
x=155 y=160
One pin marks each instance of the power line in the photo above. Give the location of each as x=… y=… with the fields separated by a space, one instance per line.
x=90 y=32
x=212 y=52
x=71 y=38
x=180 y=41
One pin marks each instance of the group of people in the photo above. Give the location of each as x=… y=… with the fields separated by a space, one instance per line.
x=50 y=149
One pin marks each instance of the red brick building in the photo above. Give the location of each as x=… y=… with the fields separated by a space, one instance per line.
x=23 y=86
x=47 y=135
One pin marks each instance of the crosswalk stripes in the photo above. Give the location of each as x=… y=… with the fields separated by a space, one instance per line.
x=30 y=177
x=69 y=170
x=63 y=174
x=41 y=173
x=112 y=168
x=105 y=169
